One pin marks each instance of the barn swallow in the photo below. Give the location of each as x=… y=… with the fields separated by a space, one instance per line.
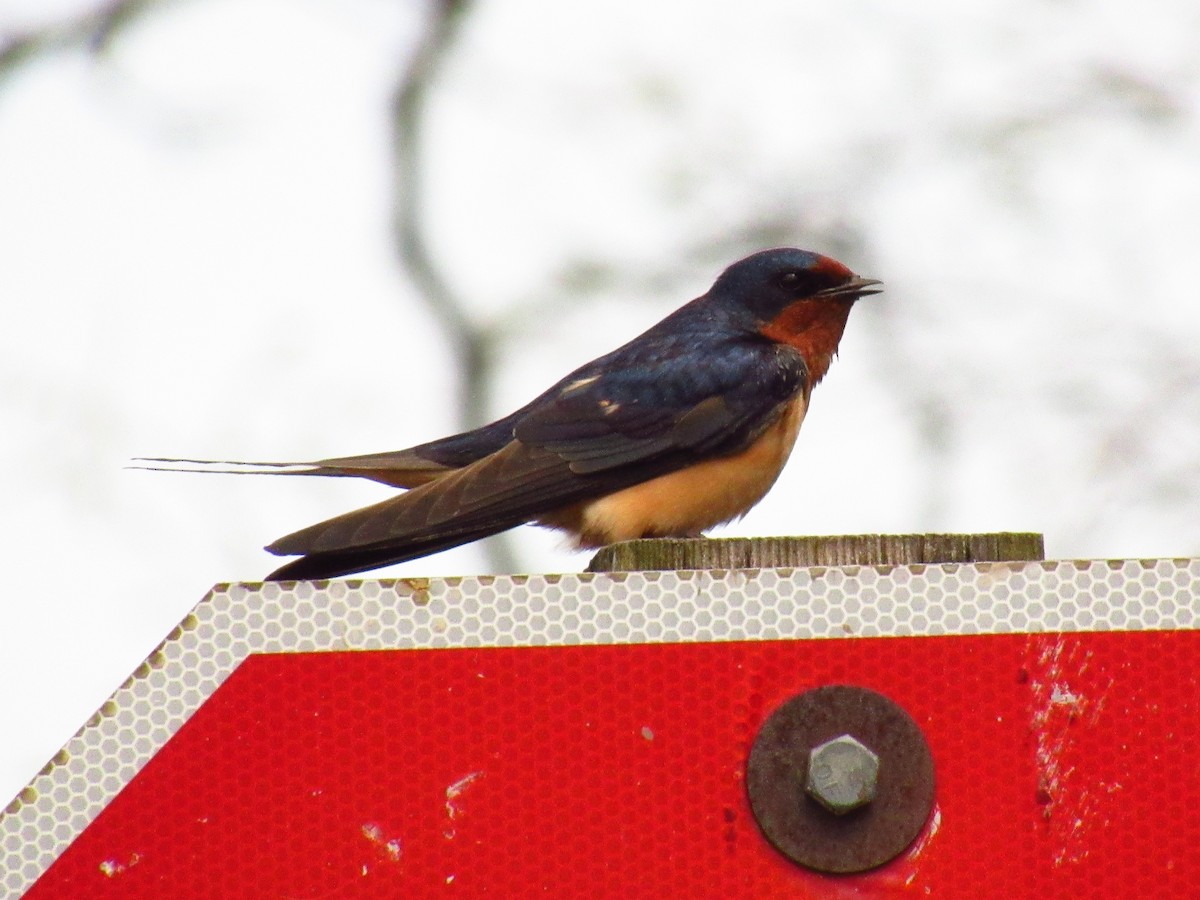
x=685 y=427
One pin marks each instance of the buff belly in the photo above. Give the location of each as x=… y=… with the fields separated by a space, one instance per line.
x=689 y=501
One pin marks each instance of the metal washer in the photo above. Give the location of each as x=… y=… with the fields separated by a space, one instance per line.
x=796 y=824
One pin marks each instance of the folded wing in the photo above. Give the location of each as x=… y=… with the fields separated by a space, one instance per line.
x=617 y=422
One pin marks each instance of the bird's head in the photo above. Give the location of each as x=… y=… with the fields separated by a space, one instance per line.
x=794 y=297
x=767 y=283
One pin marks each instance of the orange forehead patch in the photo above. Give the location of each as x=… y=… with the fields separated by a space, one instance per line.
x=827 y=266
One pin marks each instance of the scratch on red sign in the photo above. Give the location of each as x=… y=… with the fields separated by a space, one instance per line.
x=391 y=848
x=1067 y=701
x=454 y=807
x=114 y=867
x=910 y=867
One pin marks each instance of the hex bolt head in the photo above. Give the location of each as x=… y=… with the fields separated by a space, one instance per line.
x=805 y=830
x=842 y=775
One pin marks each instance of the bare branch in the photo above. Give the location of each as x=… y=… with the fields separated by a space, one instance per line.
x=93 y=31
x=408 y=106
x=470 y=342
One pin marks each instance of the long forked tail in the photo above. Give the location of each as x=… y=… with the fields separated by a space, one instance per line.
x=402 y=468
x=232 y=467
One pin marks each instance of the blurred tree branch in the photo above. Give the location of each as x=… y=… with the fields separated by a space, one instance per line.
x=94 y=31
x=470 y=341
x=409 y=103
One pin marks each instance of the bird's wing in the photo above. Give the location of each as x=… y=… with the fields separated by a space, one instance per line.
x=619 y=421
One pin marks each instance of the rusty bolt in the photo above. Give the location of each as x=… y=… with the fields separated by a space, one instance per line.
x=842 y=774
x=804 y=830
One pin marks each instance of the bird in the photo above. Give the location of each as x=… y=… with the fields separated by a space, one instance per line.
x=685 y=427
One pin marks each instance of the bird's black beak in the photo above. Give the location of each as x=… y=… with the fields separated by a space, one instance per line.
x=853 y=289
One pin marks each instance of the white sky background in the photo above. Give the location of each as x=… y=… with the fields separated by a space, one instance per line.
x=195 y=261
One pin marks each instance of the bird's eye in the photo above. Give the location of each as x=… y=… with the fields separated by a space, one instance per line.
x=789 y=279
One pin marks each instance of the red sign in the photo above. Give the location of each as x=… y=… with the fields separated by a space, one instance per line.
x=1065 y=767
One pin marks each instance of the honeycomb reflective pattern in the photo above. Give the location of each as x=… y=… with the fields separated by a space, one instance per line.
x=235 y=621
